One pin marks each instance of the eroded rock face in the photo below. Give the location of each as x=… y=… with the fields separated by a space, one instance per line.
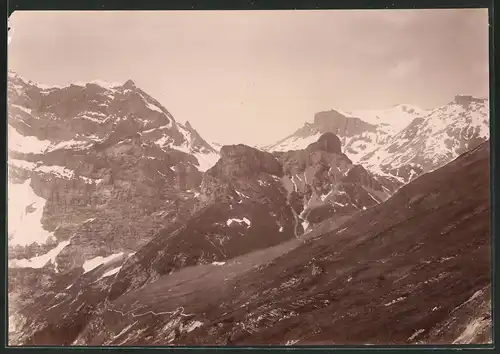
x=328 y=142
x=359 y=175
x=244 y=161
x=323 y=182
x=106 y=151
x=465 y=100
x=335 y=122
x=245 y=208
x=107 y=169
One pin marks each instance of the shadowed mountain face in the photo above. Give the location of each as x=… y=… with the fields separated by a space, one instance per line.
x=323 y=182
x=421 y=260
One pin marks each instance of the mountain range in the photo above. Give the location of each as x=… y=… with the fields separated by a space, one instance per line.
x=404 y=141
x=127 y=227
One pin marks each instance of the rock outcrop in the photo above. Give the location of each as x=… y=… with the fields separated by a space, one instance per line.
x=241 y=161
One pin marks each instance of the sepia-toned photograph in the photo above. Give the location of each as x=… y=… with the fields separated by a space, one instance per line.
x=246 y=178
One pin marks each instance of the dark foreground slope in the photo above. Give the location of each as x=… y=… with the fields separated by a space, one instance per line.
x=415 y=269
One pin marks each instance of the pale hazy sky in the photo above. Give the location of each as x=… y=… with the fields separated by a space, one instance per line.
x=255 y=76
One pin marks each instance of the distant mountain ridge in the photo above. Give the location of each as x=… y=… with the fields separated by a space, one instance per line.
x=403 y=141
x=433 y=140
x=351 y=127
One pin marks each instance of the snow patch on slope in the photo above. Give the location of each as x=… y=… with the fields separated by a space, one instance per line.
x=296 y=143
x=206 y=158
x=25 y=144
x=25 y=211
x=58 y=171
x=70 y=144
x=97 y=261
x=21 y=164
x=239 y=221
x=111 y=272
x=394 y=119
x=193 y=326
x=102 y=83
x=153 y=107
x=24 y=109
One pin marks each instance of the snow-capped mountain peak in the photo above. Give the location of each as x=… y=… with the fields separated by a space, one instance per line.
x=88 y=138
x=101 y=83
x=402 y=141
x=436 y=138
x=360 y=131
x=95 y=113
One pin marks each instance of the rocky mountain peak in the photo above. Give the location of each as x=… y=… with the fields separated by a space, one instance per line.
x=465 y=100
x=129 y=84
x=243 y=160
x=96 y=113
x=432 y=140
x=336 y=122
x=98 y=144
x=328 y=142
x=403 y=141
x=406 y=108
x=326 y=116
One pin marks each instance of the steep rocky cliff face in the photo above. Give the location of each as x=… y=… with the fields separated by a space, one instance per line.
x=421 y=260
x=94 y=173
x=86 y=151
